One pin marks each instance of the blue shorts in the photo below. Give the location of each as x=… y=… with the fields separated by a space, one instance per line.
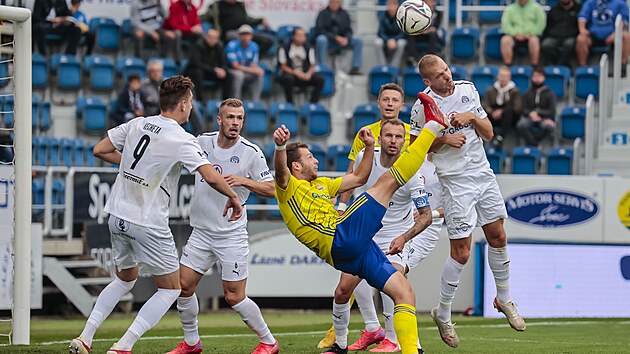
x=353 y=250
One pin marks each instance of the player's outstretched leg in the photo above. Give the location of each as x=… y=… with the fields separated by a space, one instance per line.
x=405 y=322
x=329 y=338
x=188 y=309
x=373 y=332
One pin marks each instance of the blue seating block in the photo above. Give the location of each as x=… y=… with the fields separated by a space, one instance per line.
x=484 y=77
x=464 y=43
x=363 y=115
x=257 y=120
x=317 y=119
x=587 y=81
x=557 y=79
x=559 y=161
x=525 y=160
x=338 y=156
x=572 y=122
x=380 y=75
x=496 y=157
x=287 y=114
x=412 y=82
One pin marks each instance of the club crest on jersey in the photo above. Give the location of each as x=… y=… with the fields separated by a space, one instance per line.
x=465 y=99
x=122 y=225
x=218 y=168
x=451 y=115
x=234 y=159
x=319 y=187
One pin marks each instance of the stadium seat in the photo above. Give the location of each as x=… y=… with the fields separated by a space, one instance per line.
x=126 y=30
x=559 y=161
x=93 y=112
x=252 y=199
x=35 y=112
x=329 y=79
x=39 y=151
x=79 y=151
x=318 y=153
x=8 y=105
x=490 y=16
x=452 y=13
x=363 y=115
x=284 y=33
x=4 y=70
x=39 y=71
x=572 y=122
x=58 y=191
x=484 y=77
x=405 y=113
x=67 y=69
x=38 y=185
x=496 y=157
x=268 y=79
x=268 y=150
x=464 y=43
x=130 y=65
x=493 y=43
x=525 y=160
x=107 y=34
x=89 y=156
x=317 y=119
x=557 y=79
x=45 y=118
x=54 y=152
x=412 y=82
x=212 y=111
x=338 y=156
x=521 y=75
x=66 y=148
x=380 y=75
x=458 y=72
x=287 y=114
x=586 y=82
x=257 y=120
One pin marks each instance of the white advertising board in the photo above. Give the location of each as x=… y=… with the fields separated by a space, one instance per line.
x=617 y=210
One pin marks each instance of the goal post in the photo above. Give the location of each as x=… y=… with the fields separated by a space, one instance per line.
x=22 y=90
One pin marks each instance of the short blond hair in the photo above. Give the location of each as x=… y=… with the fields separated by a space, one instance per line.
x=425 y=62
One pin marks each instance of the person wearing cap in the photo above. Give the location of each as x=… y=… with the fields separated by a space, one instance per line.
x=242 y=57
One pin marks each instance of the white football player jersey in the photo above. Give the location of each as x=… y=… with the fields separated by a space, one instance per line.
x=432 y=184
x=154 y=149
x=399 y=215
x=243 y=159
x=447 y=159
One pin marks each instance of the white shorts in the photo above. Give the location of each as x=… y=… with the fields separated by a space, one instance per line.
x=420 y=246
x=383 y=241
x=204 y=249
x=154 y=250
x=471 y=200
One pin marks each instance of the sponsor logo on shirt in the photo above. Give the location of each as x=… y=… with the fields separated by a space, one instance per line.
x=218 y=168
x=551 y=208
x=264 y=174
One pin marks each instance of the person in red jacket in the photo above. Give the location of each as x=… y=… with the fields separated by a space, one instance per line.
x=183 y=23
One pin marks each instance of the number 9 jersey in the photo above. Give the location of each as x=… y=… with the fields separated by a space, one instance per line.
x=154 y=150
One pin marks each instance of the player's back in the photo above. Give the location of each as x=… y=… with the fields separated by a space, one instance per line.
x=154 y=150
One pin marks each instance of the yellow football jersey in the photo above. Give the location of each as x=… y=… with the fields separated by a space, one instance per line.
x=358 y=145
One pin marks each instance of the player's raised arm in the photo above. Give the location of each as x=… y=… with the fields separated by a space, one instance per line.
x=362 y=171
x=216 y=181
x=424 y=219
x=281 y=136
x=106 y=151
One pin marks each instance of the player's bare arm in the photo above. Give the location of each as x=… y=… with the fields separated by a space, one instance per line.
x=345 y=196
x=360 y=174
x=106 y=151
x=482 y=126
x=423 y=221
x=281 y=136
x=216 y=181
x=266 y=189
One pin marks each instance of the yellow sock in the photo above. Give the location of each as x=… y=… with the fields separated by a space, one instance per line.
x=410 y=161
x=406 y=327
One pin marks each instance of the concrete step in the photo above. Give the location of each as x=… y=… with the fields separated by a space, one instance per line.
x=610 y=166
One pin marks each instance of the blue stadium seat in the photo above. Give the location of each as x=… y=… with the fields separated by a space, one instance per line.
x=338 y=156
x=572 y=122
x=93 y=112
x=490 y=16
x=4 y=70
x=212 y=111
x=8 y=105
x=35 y=112
x=459 y=72
x=38 y=185
x=268 y=150
x=79 y=151
x=557 y=79
x=484 y=77
x=496 y=157
x=559 y=161
x=319 y=154
x=66 y=148
x=39 y=151
x=284 y=33
x=126 y=30
x=464 y=43
x=363 y=115
x=67 y=69
x=405 y=113
x=493 y=43
x=268 y=79
x=287 y=114
x=273 y=214
x=380 y=75
x=587 y=81
x=100 y=71
x=257 y=120
x=130 y=65
x=89 y=156
x=525 y=160
x=329 y=79
x=58 y=191
x=252 y=199
x=45 y=118
x=39 y=71
x=521 y=75
x=54 y=155
x=317 y=119
x=107 y=33
x=412 y=82
x=452 y=14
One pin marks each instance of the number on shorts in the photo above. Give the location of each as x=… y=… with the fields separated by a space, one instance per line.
x=140 y=149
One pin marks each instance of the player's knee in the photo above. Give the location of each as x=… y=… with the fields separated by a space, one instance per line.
x=233 y=298
x=342 y=294
x=188 y=287
x=460 y=254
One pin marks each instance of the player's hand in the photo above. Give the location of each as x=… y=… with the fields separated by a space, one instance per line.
x=415 y=215
x=234 y=180
x=397 y=245
x=455 y=140
x=461 y=119
x=365 y=134
x=281 y=135
x=237 y=209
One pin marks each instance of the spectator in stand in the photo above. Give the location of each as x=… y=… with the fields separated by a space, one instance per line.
x=147 y=17
x=558 y=44
x=130 y=103
x=55 y=17
x=182 y=23
x=523 y=22
x=430 y=36
x=82 y=23
x=207 y=62
x=297 y=64
x=596 y=24
x=229 y=15
x=242 y=57
x=539 y=111
x=390 y=38
x=149 y=91
x=503 y=104
x=333 y=30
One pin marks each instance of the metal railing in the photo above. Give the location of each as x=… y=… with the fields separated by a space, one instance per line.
x=589 y=135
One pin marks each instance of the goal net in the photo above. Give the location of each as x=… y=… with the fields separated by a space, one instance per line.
x=15 y=170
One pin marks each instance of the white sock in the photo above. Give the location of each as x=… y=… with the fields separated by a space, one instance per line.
x=388 y=314
x=251 y=315
x=188 y=309
x=449 y=280
x=105 y=303
x=148 y=316
x=363 y=296
x=499 y=263
x=341 y=320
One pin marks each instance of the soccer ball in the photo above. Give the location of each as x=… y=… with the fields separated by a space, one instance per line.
x=414 y=17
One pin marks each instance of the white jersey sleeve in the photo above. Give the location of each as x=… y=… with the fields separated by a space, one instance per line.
x=191 y=155
x=258 y=169
x=117 y=135
x=418 y=192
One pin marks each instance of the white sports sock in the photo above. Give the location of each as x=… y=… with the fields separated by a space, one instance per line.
x=499 y=263
x=341 y=320
x=363 y=296
x=449 y=280
x=107 y=300
x=148 y=316
x=188 y=309
x=251 y=315
x=388 y=314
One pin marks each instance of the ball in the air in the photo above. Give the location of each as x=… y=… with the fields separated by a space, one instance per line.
x=414 y=17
